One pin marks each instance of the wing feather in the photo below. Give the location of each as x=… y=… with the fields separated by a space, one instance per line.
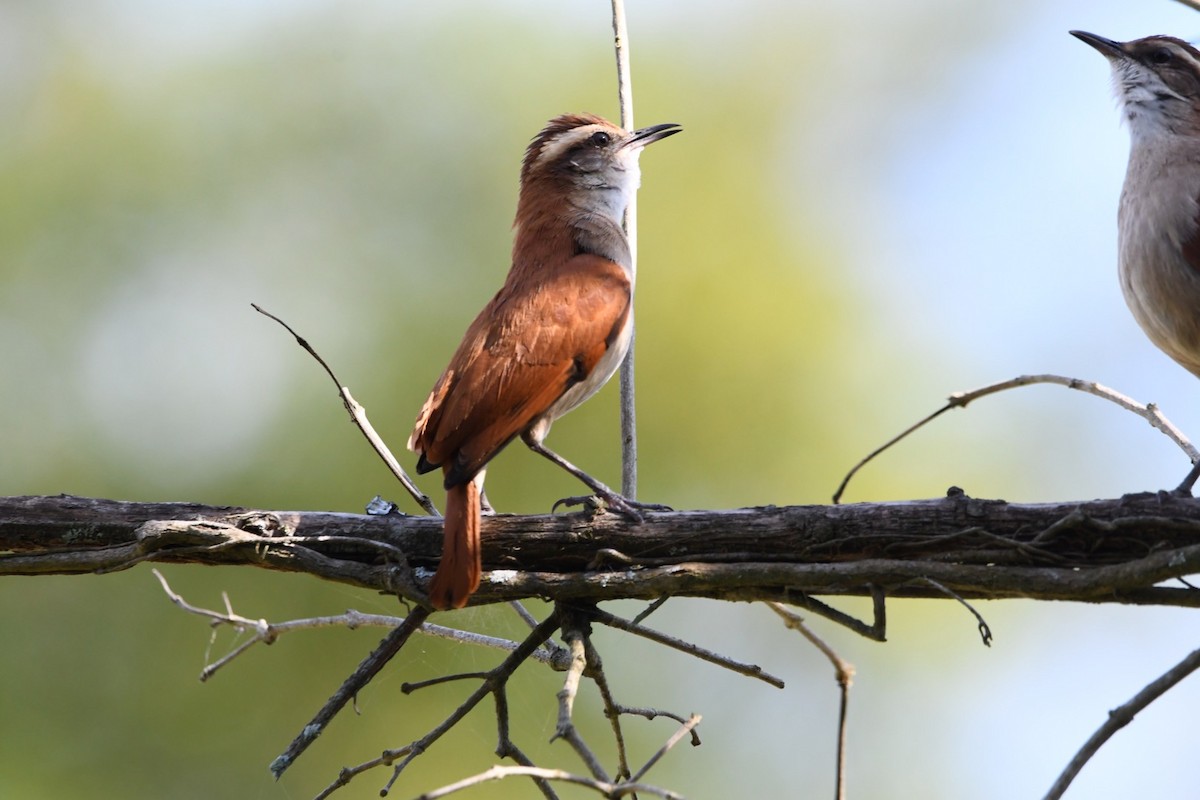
x=523 y=351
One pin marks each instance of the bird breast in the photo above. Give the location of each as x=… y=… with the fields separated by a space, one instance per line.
x=1158 y=216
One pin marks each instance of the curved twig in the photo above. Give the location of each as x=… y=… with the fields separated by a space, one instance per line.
x=1148 y=412
x=985 y=630
x=843 y=672
x=750 y=670
x=359 y=415
x=1122 y=716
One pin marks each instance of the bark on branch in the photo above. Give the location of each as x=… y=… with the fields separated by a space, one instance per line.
x=1099 y=551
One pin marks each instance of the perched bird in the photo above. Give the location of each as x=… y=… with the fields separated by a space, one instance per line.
x=550 y=338
x=1157 y=81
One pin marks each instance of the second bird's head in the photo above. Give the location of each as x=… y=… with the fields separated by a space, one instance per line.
x=1157 y=80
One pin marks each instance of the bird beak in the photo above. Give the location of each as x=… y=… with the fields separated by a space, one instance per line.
x=1107 y=47
x=644 y=136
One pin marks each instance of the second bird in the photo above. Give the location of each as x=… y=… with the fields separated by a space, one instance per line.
x=1158 y=222
x=550 y=338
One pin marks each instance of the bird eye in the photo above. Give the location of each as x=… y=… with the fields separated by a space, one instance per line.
x=1160 y=56
x=601 y=139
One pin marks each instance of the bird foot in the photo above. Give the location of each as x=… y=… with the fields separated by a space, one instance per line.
x=618 y=504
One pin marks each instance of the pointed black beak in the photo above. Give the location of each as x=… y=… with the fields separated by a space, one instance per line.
x=1107 y=47
x=644 y=136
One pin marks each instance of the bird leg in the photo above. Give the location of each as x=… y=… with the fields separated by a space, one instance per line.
x=619 y=503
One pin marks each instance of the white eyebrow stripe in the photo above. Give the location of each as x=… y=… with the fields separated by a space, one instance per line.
x=553 y=149
x=1191 y=59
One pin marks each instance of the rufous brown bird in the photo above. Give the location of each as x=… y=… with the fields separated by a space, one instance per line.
x=1157 y=80
x=550 y=338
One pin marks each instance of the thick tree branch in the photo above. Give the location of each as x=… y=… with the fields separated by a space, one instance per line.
x=1099 y=551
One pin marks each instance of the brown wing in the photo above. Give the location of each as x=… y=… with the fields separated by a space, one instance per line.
x=530 y=344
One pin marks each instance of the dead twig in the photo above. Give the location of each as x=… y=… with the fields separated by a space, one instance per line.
x=684 y=729
x=507 y=748
x=843 y=671
x=574 y=632
x=1148 y=412
x=267 y=632
x=1122 y=716
x=350 y=688
x=495 y=678
x=653 y=713
x=603 y=788
x=751 y=670
x=596 y=672
x=650 y=609
x=985 y=632
x=359 y=415
x=876 y=631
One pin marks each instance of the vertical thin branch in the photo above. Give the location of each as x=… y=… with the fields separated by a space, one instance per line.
x=628 y=411
x=844 y=672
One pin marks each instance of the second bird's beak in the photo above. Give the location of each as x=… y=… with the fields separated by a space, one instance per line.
x=1107 y=47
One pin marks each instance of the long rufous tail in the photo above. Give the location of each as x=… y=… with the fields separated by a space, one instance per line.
x=458 y=572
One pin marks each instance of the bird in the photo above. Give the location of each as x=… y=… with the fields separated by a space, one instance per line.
x=1157 y=82
x=553 y=334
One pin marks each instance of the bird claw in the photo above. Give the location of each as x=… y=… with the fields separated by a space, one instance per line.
x=631 y=509
x=589 y=501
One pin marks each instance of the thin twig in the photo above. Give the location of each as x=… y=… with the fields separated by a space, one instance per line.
x=650 y=609
x=607 y=790
x=628 y=408
x=1122 y=716
x=507 y=748
x=985 y=632
x=496 y=677
x=684 y=730
x=611 y=708
x=368 y=669
x=574 y=632
x=1193 y=4
x=267 y=632
x=359 y=415
x=876 y=631
x=524 y=614
x=751 y=670
x=652 y=714
x=1148 y=412
x=844 y=673
x=408 y=687
x=602 y=786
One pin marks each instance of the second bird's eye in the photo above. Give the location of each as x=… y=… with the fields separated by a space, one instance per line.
x=600 y=138
x=1160 y=56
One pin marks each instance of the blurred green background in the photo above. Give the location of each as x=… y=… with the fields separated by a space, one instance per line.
x=872 y=205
